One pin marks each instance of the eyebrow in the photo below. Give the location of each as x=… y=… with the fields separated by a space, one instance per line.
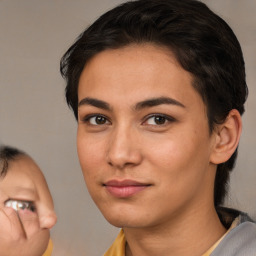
x=152 y=102
x=94 y=102
x=156 y=102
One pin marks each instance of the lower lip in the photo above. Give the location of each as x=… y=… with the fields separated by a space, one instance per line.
x=124 y=191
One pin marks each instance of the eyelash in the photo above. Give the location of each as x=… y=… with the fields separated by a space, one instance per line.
x=166 y=118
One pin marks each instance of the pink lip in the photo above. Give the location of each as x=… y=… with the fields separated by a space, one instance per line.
x=124 y=188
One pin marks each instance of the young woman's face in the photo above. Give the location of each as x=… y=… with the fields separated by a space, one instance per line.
x=143 y=137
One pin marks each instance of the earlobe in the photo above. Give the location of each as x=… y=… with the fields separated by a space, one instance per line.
x=227 y=137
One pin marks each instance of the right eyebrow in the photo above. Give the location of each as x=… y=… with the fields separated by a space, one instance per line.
x=95 y=103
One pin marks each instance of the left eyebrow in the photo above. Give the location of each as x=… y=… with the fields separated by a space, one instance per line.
x=156 y=102
x=94 y=102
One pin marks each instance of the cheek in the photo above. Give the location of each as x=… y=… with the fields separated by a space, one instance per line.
x=169 y=151
x=182 y=157
x=39 y=242
x=90 y=154
x=179 y=173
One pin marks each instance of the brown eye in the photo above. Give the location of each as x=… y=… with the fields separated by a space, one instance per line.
x=32 y=207
x=156 y=120
x=24 y=205
x=97 y=120
x=159 y=120
x=100 y=120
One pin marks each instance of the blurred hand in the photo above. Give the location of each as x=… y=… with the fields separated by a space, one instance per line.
x=25 y=232
x=21 y=236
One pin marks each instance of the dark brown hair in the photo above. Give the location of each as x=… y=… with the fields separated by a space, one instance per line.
x=8 y=154
x=201 y=41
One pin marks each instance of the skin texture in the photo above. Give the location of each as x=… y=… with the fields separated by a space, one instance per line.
x=150 y=164
x=25 y=181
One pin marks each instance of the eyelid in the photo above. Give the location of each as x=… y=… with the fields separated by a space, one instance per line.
x=87 y=118
x=167 y=117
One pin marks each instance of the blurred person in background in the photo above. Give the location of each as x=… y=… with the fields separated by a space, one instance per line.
x=23 y=194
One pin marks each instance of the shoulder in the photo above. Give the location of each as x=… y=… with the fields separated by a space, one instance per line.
x=240 y=241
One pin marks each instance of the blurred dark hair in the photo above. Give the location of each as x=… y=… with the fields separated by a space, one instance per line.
x=201 y=41
x=8 y=154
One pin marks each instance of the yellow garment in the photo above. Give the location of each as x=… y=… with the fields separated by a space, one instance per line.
x=118 y=247
x=48 y=251
x=208 y=253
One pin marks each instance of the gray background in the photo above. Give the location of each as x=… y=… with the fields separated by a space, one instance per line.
x=34 y=34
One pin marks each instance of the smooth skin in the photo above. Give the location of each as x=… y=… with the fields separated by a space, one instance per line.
x=29 y=235
x=141 y=123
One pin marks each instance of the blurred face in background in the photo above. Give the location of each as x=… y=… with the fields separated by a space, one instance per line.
x=25 y=182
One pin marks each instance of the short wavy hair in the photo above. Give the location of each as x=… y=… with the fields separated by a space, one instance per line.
x=201 y=41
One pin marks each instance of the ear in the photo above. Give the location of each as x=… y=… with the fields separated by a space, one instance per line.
x=227 y=137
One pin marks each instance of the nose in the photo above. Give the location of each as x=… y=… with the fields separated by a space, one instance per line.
x=124 y=150
x=48 y=220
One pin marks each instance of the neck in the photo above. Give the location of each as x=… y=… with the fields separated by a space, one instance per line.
x=192 y=234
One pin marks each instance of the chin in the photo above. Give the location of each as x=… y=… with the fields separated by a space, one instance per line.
x=122 y=219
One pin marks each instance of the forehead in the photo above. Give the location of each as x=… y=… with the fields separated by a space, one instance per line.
x=23 y=165
x=20 y=178
x=135 y=72
x=131 y=60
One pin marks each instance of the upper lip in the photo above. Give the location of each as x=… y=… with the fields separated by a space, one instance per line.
x=124 y=183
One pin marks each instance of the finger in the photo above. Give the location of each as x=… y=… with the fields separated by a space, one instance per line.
x=37 y=238
x=21 y=224
x=12 y=239
x=44 y=206
x=29 y=221
x=11 y=226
